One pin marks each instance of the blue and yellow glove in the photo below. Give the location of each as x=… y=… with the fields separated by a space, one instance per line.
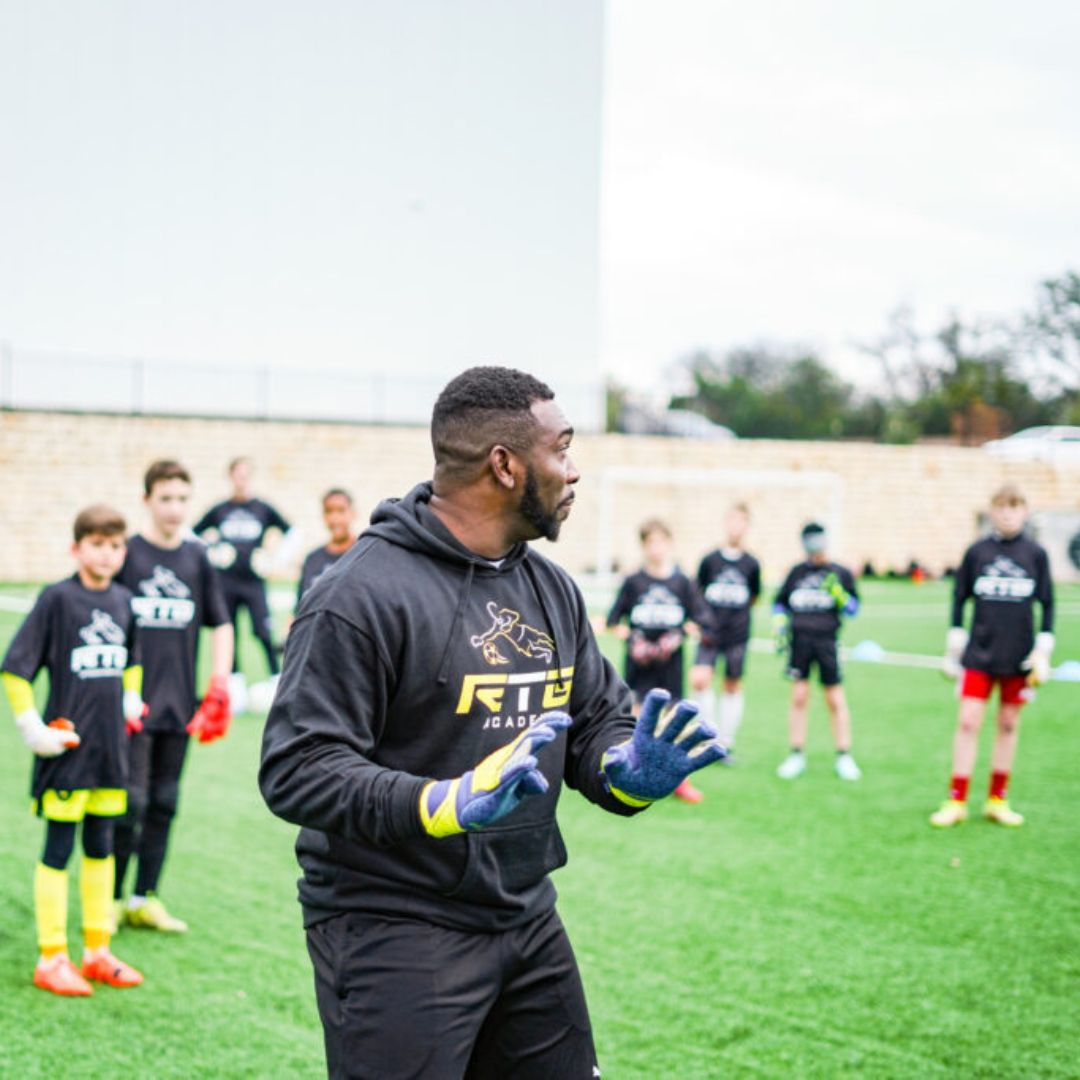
x=494 y=787
x=781 y=628
x=663 y=751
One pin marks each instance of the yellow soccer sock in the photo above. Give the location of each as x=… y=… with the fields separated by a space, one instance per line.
x=96 y=888
x=50 y=909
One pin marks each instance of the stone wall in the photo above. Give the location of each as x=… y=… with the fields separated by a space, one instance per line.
x=885 y=504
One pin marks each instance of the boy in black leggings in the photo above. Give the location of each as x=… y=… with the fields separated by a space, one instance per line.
x=176 y=593
x=82 y=631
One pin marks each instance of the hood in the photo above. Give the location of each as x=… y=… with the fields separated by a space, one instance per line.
x=409 y=522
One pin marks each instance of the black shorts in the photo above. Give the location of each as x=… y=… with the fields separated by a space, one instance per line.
x=734 y=654
x=249 y=593
x=666 y=675
x=404 y=998
x=806 y=651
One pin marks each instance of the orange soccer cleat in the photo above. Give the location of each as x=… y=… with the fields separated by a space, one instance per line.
x=59 y=975
x=101 y=966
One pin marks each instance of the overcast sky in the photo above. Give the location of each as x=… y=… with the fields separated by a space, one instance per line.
x=791 y=170
x=187 y=181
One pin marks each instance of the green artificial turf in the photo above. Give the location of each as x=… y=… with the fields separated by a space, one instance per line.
x=812 y=928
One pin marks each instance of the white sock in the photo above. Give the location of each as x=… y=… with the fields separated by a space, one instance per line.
x=135 y=902
x=731 y=713
x=706 y=702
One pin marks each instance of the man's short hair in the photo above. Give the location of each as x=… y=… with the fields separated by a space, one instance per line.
x=653 y=525
x=336 y=492
x=1008 y=495
x=483 y=407
x=164 y=470
x=99 y=520
x=241 y=460
x=739 y=508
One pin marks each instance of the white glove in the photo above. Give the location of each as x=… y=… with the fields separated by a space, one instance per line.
x=955 y=643
x=1037 y=662
x=43 y=740
x=134 y=709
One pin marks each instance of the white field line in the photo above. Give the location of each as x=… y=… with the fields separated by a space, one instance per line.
x=892 y=659
x=921 y=611
x=16 y=603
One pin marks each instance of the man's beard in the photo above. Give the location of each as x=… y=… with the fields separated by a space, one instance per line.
x=532 y=510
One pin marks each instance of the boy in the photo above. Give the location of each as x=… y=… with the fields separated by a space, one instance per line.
x=81 y=630
x=730 y=581
x=660 y=604
x=339 y=516
x=241 y=523
x=176 y=592
x=806 y=619
x=1005 y=573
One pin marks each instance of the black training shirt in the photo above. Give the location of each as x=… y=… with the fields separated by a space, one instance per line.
x=175 y=593
x=1005 y=578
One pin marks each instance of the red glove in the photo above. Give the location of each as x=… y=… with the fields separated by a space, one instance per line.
x=211 y=720
x=642 y=650
x=668 y=643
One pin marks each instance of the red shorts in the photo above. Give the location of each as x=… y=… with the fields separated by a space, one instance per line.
x=979 y=684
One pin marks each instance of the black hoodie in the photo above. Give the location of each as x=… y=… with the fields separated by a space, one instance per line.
x=410 y=660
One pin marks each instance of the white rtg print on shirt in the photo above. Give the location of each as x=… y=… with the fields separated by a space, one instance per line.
x=102 y=655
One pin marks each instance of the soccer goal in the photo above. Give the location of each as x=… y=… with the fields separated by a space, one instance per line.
x=693 y=502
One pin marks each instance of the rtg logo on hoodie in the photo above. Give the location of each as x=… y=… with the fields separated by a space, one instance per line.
x=513 y=700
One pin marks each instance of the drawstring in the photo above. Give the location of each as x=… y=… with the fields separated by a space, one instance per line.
x=463 y=599
x=539 y=593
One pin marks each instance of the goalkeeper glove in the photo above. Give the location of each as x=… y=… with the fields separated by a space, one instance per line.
x=662 y=752
x=955 y=643
x=781 y=628
x=1037 y=662
x=134 y=711
x=840 y=595
x=211 y=719
x=46 y=740
x=495 y=787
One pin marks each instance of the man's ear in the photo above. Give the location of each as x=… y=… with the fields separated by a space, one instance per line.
x=505 y=466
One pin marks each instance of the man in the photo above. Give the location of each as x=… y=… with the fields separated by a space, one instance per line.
x=421 y=702
x=1005 y=574
x=237 y=528
x=806 y=618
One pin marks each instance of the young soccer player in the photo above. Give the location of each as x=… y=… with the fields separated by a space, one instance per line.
x=339 y=516
x=176 y=592
x=1004 y=573
x=81 y=630
x=659 y=604
x=240 y=525
x=730 y=582
x=806 y=619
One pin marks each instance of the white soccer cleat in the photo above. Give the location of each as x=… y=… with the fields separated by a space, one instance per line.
x=999 y=812
x=261 y=695
x=793 y=766
x=238 y=692
x=951 y=812
x=846 y=768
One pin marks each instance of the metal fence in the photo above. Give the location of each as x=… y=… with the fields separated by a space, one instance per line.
x=38 y=379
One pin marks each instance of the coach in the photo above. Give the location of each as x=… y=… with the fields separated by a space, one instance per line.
x=441 y=682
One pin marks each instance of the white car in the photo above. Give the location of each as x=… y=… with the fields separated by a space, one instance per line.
x=1056 y=445
x=685 y=424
